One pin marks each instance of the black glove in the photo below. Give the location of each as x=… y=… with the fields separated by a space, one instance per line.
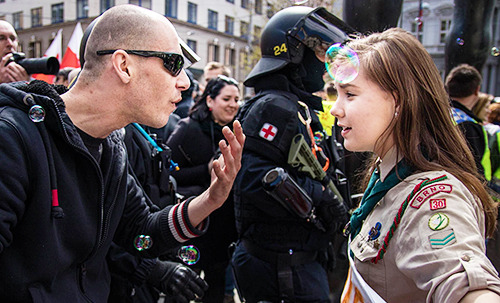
x=332 y=213
x=177 y=281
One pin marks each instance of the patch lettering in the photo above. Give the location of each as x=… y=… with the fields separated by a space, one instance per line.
x=268 y=131
x=428 y=192
x=437 y=203
x=442 y=238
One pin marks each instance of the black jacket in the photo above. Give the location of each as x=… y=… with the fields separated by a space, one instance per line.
x=46 y=258
x=194 y=143
x=270 y=121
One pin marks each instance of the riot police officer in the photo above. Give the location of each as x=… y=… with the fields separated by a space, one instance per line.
x=280 y=257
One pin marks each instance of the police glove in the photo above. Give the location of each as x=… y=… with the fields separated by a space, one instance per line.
x=181 y=283
x=332 y=213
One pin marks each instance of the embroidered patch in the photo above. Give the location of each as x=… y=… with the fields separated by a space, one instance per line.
x=442 y=238
x=268 y=131
x=428 y=192
x=437 y=203
x=438 y=221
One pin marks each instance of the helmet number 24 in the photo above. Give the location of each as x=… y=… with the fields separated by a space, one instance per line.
x=279 y=49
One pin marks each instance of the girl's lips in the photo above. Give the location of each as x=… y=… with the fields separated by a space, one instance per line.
x=345 y=131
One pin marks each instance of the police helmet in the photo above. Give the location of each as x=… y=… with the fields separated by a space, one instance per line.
x=287 y=33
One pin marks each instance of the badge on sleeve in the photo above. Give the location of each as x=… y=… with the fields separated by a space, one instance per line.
x=438 y=221
x=437 y=203
x=442 y=238
x=428 y=192
x=268 y=131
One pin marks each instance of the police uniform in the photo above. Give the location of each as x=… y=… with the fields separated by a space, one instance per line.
x=435 y=244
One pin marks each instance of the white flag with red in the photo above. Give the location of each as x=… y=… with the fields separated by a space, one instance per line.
x=72 y=55
x=54 y=50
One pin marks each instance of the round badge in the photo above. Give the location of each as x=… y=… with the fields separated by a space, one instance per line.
x=438 y=221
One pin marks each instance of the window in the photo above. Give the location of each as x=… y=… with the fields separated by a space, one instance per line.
x=230 y=1
x=171 y=8
x=192 y=12
x=143 y=3
x=82 y=9
x=416 y=30
x=244 y=30
x=36 y=17
x=212 y=19
x=213 y=52
x=105 y=4
x=35 y=49
x=229 y=56
x=445 y=28
x=245 y=3
x=257 y=31
x=192 y=44
x=229 y=25
x=17 y=20
x=258 y=7
x=57 y=13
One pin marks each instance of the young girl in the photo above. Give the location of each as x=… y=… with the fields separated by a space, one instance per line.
x=419 y=233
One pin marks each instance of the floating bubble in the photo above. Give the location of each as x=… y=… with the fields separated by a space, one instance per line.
x=143 y=242
x=189 y=254
x=495 y=51
x=460 y=41
x=342 y=63
x=418 y=21
x=37 y=113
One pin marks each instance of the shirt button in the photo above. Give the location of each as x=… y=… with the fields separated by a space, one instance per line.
x=466 y=258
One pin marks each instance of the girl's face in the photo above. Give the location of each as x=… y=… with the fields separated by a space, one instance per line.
x=225 y=106
x=364 y=111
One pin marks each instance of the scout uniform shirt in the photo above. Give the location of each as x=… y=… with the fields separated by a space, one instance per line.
x=436 y=252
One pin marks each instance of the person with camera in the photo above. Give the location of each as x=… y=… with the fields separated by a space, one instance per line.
x=66 y=189
x=10 y=71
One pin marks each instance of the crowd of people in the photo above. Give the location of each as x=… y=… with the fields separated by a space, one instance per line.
x=121 y=164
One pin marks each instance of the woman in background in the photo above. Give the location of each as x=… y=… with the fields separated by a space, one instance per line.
x=194 y=144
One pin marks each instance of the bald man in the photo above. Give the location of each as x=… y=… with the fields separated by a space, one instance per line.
x=9 y=72
x=65 y=189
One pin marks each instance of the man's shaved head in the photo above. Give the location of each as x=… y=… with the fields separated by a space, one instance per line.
x=123 y=27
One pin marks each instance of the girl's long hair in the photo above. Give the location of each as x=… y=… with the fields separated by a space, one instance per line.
x=424 y=131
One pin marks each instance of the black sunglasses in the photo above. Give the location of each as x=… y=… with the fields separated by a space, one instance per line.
x=173 y=62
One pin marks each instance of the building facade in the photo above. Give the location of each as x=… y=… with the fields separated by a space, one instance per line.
x=436 y=23
x=218 y=30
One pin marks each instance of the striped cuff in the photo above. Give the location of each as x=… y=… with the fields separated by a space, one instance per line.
x=180 y=225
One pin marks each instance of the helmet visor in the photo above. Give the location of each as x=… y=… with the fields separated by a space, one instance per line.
x=320 y=29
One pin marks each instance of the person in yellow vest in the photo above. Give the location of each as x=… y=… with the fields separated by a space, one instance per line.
x=463 y=84
x=419 y=232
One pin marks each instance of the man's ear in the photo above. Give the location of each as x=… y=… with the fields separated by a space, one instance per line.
x=121 y=64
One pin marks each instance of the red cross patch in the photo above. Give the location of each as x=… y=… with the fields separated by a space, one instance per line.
x=268 y=131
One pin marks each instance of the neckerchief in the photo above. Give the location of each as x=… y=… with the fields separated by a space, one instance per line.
x=375 y=191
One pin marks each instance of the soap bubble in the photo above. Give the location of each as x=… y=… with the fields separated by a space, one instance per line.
x=143 y=242
x=495 y=51
x=189 y=254
x=37 y=113
x=460 y=41
x=342 y=63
